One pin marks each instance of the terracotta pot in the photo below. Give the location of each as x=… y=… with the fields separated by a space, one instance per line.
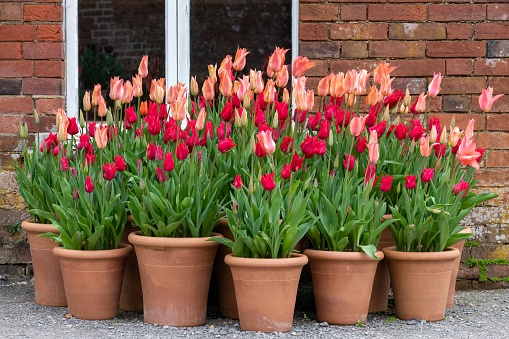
x=175 y=277
x=420 y=282
x=93 y=280
x=131 y=296
x=266 y=290
x=382 y=283
x=48 y=282
x=455 y=268
x=223 y=274
x=342 y=283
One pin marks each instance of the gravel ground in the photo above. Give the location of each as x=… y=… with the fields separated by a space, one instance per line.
x=477 y=314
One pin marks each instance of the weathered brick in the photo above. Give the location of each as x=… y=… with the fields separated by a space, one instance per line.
x=43 y=50
x=492 y=30
x=462 y=85
x=10 y=50
x=465 y=272
x=490 y=251
x=492 y=177
x=15 y=104
x=10 y=86
x=499 y=84
x=461 y=120
x=498 y=49
x=493 y=140
x=15 y=68
x=49 y=32
x=354 y=49
x=312 y=31
x=10 y=12
x=42 y=12
x=397 y=49
x=456 y=12
x=318 y=12
x=353 y=12
x=459 y=31
x=456 y=103
x=497 y=271
x=321 y=68
x=17 y=32
x=396 y=12
x=345 y=65
x=491 y=67
x=358 y=31
x=320 y=49
x=47 y=124
x=459 y=67
x=456 y=49
x=498 y=12
x=416 y=31
x=418 y=67
x=41 y=86
x=497 y=122
x=49 y=69
x=498 y=158
x=47 y=105
x=414 y=85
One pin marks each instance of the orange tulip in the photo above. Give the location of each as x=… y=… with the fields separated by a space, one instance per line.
x=276 y=61
x=282 y=77
x=381 y=71
x=300 y=99
x=128 y=92
x=424 y=146
x=240 y=59
x=373 y=96
x=454 y=136
x=486 y=99
x=357 y=125
x=208 y=89
x=268 y=93
x=137 y=86
x=178 y=108
x=468 y=155
x=256 y=81
x=421 y=103
x=310 y=99
x=96 y=94
x=157 y=91
x=200 y=121
x=62 y=122
x=336 y=88
x=373 y=153
x=301 y=65
x=323 y=86
x=143 y=68
x=102 y=108
x=86 y=101
x=225 y=67
x=299 y=83
x=143 y=108
x=225 y=84
x=193 y=86
x=101 y=136
x=469 y=131
x=286 y=96
x=434 y=85
x=213 y=73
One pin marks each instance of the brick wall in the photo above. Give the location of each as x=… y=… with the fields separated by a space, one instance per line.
x=467 y=41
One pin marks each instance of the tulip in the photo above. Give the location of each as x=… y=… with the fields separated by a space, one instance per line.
x=266 y=141
x=64 y=164
x=369 y=173
x=276 y=61
x=200 y=122
x=182 y=151
x=208 y=89
x=336 y=88
x=130 y=115
x=240 y=59
x=96 y=95
x=212 y=73
x=467 y=153
x=417 y=130
x=268 y=182
x=84 y=142
x=72 y=128
x=86 y=101
x=400 y=131
x=169 y=163
x=323 y=86
x=379 y=128
x=143 y=108
x=256 y=81
x=193 y=86
x=287 y=144
x=178 y=109
x=143 y=67
x=386 y=183
x=109 y=171
x=89 y=159
x=282 y=77
x=116 y=88
x=154 y=127
x=286 y=171
x=349 y=162
x=137 y=86
x=462 y=186
x=427 y=174
x=424 y=146
x=361 y=145
x=382 y=70
x=225 y=145
x=151 y=151
x=269 y=91
x=434 y=85
x=102 y=110
x=454 y=136
x=420 y=105
x=486 y=99
x=225 y=84
x=410 y=181
x=301 y=65
x=120 y=163
x=320 y=147
x=296 y=163
x=469 y=131
x=89 y=185
x=373 y=96
x=237 y=182
x=160 y=175
x=226 y=66
x=128 y=92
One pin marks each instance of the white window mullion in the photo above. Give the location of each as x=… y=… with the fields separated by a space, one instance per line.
x=70 y=25
x=295 y=29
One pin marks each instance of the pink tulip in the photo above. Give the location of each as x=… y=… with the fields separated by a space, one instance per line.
x=143 y=68
x=208 y=89
x=434 y=85
x=240 y=59
x=266 y=141
x=486 y=99
x=300 y=66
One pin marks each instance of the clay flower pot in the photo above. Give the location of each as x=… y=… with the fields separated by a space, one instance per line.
x=175 y=276
x=266 y=290
x=92 y=280
x=420 y=282
x=131 y=296
x=48 y=282
x=455 y=268
x=342 y=283
x=382 y=283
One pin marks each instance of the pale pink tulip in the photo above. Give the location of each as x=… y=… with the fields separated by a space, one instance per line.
x=468 y=155
x=86 y=101
x=421 y=103
x=266 y=141
x=486 y=99
x=434 y=85
x=323 y=86
x=357 y=125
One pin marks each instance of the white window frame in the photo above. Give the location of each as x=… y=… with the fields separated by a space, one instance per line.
x=177 y=46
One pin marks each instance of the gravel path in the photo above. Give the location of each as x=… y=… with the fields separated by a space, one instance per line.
x=477 y=314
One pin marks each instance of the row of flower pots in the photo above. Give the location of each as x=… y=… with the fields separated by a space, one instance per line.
x=175 y=276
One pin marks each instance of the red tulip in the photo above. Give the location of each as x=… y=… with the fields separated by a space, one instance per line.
x=89 y=185
x=109 y=171
x=154 y=127
x=130 y=115
x=64 y=164
x=224 y=130
x=182 y=151
x=237 y=182
x=361 y=145
x=268 y=182
x=380 y=128
x=386 y=183
x=84 y=142
x=461 y=186
x=410 y=181
x=320 y=147
x=287 y=144
x=89 y=159
x=91 y=129
x=401 y=131
x=323 y=133
x=72 y=128
x=161 y=176
x=227 y=113
x=151 y=151
x=297 y=162
x=168 y=164
x=286 y=172
x=349 y=162
x=225 y=145
x=120 y=163
x=427 y=174
x=159 y=153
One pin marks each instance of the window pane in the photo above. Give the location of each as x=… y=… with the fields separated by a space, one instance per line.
x=218 y=27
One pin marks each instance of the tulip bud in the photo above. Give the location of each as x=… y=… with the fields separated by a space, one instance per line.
x=247 y=100
x=36 y=117
x=83 y=123
x=194 y=86
x=315 y=185
x=306 y=184
x=109 y=118
x=387 y=115
x=433 y=134
x=250 y=188
x=286 y=96
x=275 y=121
x=336 y=161
x=23 y=130
x=243 y=119
x=407 y=99
x=238 y=120
x=330 y=140
x=252 y=144
x=443 y=136
x=142 y=184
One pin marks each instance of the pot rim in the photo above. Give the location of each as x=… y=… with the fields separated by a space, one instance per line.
x=335 y=255
x=30 y=226
x=296 y=260
x=447 y=253
x=123 y=250
x=136 y=238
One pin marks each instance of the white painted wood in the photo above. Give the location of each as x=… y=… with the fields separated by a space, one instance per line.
x=171 y=42
x=71 y=57
x=295 y=29
x=184 y=45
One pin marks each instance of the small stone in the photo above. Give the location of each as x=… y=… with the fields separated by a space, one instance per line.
x=411 y=322
x=293 y=333
x=324 y=324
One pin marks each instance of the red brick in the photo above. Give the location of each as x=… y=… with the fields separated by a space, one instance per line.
x=41 y=86
x=458 y=67
x=49 y=32
x=456 y=12
x=492 y=30
x=412 y=1
x=456 y=49
x=9 y=125
x=46 y=124
x=319 y=12
x=462 y=85
x=10 y=12
x=396 y=12
x=416 y=31
x=459 y=31
x=15 y=104
x=10 y=50
x=397 y=49
x=15 y=68
x=49 y=69
x=359 y=31
x=500 y=106
x=414 y=85
x=491 y=67
x=354 y=49
x=17 y=32
x=309 y=31
x=456 y=103
x=492 y=177
x=321 y=68
x=498 y=12
x=497 y=122
x=42 y=12
x=493 y=140
x=418 y=67
x=43 y=50
x=497 y=159
x=47 y=105
x=500 y=85
x=345 y=65
x=320 y=49
x=461 y=120
x=353 y=12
